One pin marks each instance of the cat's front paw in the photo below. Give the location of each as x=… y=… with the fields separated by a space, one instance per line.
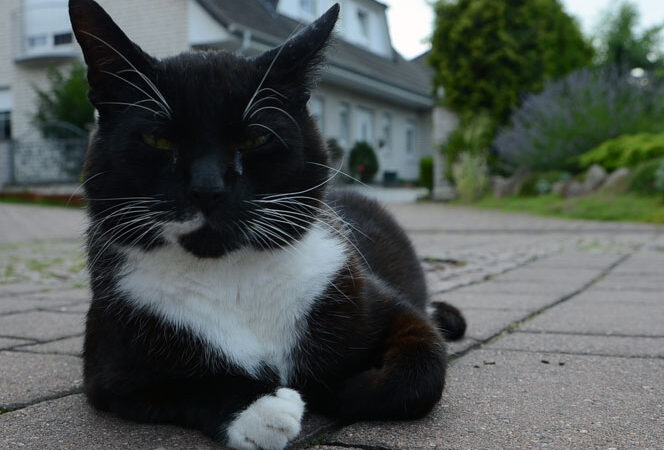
x=268 y=423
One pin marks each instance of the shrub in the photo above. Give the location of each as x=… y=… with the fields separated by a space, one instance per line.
x=426 y=173
x=625 y=151
x=473 y=135
x=363 y=162
x=577 y=113
x=647 y=178
x=471 y=176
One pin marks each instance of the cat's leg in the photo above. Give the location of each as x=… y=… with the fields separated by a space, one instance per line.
x=243 y=414
x=409 y=378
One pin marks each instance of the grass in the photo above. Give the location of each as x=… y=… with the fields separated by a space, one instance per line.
x=623 y=207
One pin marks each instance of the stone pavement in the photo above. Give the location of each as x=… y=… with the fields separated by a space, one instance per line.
x=565 y=345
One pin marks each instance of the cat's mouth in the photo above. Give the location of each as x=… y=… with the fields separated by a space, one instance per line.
x=172 y=231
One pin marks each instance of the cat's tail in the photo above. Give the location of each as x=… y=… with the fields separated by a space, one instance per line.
x=449 y=320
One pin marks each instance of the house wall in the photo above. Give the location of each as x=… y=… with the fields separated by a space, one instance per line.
x=139 y=26
x=393 y=156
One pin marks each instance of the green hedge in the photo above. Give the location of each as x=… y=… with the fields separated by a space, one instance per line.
x=625 y=151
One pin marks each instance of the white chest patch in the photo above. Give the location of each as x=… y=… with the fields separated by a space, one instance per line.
x=245 y=305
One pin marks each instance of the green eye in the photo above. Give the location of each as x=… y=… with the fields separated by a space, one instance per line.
x=159 y=143
x=253 y=142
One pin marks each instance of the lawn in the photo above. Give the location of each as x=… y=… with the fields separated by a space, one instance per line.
x=624 y=207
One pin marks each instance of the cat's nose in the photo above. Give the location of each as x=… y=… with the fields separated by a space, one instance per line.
x=206 y=197
x=207 y=183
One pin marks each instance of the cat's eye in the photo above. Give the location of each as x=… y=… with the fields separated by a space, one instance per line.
x=251 y=143
x=159 y=143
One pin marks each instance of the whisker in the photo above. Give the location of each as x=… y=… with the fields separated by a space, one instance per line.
x=276 y=108
x=270 y=130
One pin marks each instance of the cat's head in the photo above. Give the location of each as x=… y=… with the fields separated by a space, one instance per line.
x=206 y=149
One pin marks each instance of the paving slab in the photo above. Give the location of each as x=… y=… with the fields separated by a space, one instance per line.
x=502 y=399
x=41 y=325
x=486 y=323
x=601 y=297
x=652 y=347
x=69 y=346
x=70 y=423
x=634 y=282
x=548 y=274
x=524 y=288
x=6 y=343
x=462 y=298
x=28 y=378
x=578 y=260
x=22 y=222
x=21 y=304
x=588 y=317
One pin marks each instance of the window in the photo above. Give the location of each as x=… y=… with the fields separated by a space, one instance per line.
x=63 y=39
x=363 y=21
x=385 y=142
x=365 y=126
x=410 y=139
x=5 y=125
x=37 y=41
x=317 y=109
x=308 y=7
x=344 y=125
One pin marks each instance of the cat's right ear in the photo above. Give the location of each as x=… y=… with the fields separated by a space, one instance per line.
x=106 y=49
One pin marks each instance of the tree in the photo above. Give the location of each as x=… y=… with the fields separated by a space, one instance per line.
x=618 y=43
x=488 y=53
x=64 y=106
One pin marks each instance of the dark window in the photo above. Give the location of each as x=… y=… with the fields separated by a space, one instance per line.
x=5 y=125
x=37 y=41
x=63 y=39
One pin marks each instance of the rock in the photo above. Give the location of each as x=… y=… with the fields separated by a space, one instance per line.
x=617 y=180
x=573 y=188
x=504 y=187
x=558 y=187
x=594 y=178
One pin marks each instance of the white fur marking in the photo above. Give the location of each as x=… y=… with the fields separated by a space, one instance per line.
x=245 y=305
x=268 y=423
x=171 y=231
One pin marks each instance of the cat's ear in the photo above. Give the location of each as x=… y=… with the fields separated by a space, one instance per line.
x=108 y=52
x=297 y=59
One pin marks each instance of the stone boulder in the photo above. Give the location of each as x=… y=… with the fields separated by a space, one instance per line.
x=504 y=187
x=594 y=178
x=617 y=180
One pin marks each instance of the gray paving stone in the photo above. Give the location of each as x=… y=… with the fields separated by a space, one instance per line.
x=500 y=399
x=41 y=325
x=582 y=344
x=607 y=297
x=546 y=275
x=632 y=283
x=69 y=346
x=13 y=305
x=76 y=308
x=28 y=378
x=461 y=298
x=22 y=223
x=70 y=423
x=485 y=323
x=587 y=317
x=578 y=260
x=524 y=288
x=6 y=343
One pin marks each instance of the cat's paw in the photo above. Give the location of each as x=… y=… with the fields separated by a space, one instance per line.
x=268 y=423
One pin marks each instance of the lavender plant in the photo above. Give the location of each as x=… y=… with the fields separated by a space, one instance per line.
x=577 y=113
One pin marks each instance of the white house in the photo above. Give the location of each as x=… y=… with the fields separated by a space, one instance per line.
x=368 y=92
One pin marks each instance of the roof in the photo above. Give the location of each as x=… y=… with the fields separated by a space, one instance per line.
x=273 y=28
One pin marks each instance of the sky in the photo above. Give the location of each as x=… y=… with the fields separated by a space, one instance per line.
x=411 y=20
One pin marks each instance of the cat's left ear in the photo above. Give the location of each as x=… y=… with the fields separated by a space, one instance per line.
x=298 y=58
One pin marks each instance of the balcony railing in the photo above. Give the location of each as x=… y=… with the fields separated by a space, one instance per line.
x=41 y=30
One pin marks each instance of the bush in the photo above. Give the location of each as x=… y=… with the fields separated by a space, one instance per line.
x=553 y=128
x=363 y=162
x=471 y=176
x=473 y=135
x=625 y=151
x=648 y=178
x=426 y=173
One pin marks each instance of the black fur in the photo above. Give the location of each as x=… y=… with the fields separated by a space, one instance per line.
x=368 y=349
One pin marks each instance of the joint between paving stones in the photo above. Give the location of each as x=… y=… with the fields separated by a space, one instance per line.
x=509 y=329
x=11 y=407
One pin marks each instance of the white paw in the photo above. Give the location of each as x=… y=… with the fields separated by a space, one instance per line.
x=268 y=423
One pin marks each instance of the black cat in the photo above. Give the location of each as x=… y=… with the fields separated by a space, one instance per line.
x=230 y=287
